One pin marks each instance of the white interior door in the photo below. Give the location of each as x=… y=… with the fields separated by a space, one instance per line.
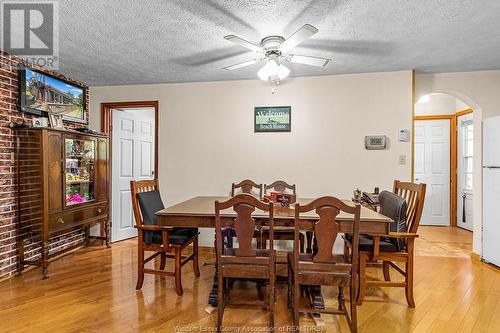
x=132 y=159
x=465 y=158
x=432 y=167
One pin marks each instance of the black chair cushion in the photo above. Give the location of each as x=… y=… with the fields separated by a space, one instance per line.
x=395 y=207
x=366 y=244
x=150 y=203
x=178 y=236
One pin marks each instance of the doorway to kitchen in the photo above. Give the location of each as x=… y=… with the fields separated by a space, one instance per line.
x=133 y=131
x=443 y=159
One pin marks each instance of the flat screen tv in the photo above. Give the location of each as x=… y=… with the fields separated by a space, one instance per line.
x=41 y=93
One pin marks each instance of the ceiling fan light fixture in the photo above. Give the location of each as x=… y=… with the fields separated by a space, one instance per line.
x=272 y=71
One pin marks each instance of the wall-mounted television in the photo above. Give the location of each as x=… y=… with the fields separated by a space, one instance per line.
x=41 y=94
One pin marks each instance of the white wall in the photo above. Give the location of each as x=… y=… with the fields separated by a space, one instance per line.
x=439 y=104
x=207 y=141
x=479 y=90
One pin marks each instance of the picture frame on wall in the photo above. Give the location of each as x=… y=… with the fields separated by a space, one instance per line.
x=56 y=121
x=272 y=119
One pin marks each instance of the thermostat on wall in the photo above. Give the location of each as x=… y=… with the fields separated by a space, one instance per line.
x=375 y=142
x=404 y=135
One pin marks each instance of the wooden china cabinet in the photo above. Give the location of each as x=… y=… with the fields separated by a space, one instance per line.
x=62 y=178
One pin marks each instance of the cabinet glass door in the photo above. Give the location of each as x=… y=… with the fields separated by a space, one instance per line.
x=80 y=174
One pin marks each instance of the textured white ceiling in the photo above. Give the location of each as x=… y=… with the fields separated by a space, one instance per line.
x=116 y=42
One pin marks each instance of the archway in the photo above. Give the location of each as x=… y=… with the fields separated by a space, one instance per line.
x=456 y=207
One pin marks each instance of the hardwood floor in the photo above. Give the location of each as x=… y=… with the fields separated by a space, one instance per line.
x=92 y=290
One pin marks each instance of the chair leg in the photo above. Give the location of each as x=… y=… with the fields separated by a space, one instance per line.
x=296 y=299
x=220 y=300
x=347 y=257
x=196 y=268
x=272 y=298
x=178 y=280
x=263 y=240
x=309 y=237
x=340 y=299
x=354 y=314
x=362 y=277
x=289 y=277
x=140 y=268
x=259 y=239
x=409 y=282
x=385 y=267
x=163 y=261
x=301 y=243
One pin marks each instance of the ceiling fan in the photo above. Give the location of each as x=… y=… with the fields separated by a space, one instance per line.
x=275 y=50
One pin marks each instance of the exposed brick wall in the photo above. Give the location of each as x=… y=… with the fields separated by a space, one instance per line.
x=9 y=112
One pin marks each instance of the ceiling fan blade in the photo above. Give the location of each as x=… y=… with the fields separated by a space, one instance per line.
x=308 y=60
x=298 y=37
x=244 y=43
x=241 y=65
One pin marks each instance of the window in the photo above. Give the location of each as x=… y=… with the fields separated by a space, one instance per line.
x=468 y=153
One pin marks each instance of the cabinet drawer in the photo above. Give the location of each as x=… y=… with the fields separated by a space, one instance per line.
x=76 y=217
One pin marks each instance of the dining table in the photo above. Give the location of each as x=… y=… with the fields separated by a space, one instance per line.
x=199 y=212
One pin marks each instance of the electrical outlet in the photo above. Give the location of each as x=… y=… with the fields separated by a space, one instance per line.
x=402 y=159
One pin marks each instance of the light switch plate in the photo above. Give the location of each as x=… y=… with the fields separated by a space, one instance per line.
x=402 y=159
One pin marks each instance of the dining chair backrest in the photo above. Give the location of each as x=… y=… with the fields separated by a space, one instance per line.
x=140 y=186
x=327 y=227
x=414 y=194
x=280 y=186
x=243 y=205
x=247 y=186
x=395 y=207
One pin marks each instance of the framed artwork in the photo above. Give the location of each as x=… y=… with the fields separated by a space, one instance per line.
x=56 y=120
x=272 y=119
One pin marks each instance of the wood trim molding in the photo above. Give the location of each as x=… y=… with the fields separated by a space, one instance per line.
x=434 y=117
x=464 y=112
x=475 y=256
x=106 y=121
x=453 y=171
x=413 y=101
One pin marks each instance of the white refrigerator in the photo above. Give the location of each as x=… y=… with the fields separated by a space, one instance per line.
x=491 y=190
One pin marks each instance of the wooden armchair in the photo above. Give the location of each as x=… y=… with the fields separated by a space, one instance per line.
x=243 y=262
x=280 y=233
x=324 y=268
x=146 y=201
x=405 y=207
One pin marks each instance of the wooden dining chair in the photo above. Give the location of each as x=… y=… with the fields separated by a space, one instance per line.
x=247 y=186
x=244 y=262
x=250 y=187
x=323 y=267
x=161 y=240
x=282 y=232
x=404 y=206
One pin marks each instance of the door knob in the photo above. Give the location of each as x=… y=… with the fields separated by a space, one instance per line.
x=60 y=221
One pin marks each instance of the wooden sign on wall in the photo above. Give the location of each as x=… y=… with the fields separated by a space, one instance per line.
x=272 y=119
